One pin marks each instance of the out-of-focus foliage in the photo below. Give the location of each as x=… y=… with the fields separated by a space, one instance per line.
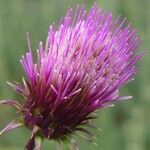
x=127 y=125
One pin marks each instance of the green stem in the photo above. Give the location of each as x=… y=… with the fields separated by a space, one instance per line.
x=73 y=145
x=38 y=143
x=58 y=146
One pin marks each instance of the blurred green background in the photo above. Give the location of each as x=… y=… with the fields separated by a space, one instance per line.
x=127 y=125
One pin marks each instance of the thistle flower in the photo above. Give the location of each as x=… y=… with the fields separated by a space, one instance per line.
x=79 y=70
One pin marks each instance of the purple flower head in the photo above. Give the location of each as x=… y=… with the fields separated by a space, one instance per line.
x=78 y=70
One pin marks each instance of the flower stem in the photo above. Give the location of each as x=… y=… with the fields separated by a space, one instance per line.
x=58 y=146
x=35 y=143
x=38 y=143
x=73 y=145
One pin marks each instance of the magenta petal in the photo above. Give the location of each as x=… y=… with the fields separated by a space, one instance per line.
x=12 y=103
x=111 y=103
x=12 y=125
x=17 y=87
